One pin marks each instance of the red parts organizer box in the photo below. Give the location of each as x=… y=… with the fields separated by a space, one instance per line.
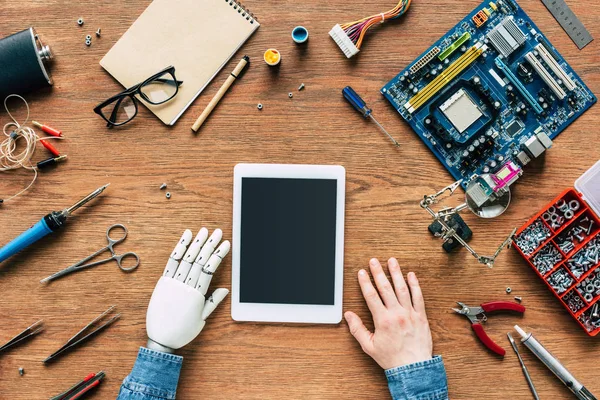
x=562 y=245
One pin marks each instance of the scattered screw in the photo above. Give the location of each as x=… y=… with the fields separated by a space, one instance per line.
x=259 y=106
x=21 y=371
x=163 y=186
x=508 y=290
x=519 y=299
x=301 y=86
x=98 y=33
x=80 y=21
x=168 y=195
x=88 y=42
x=290 y=95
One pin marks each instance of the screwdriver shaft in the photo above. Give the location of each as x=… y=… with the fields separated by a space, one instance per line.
x=382 y=129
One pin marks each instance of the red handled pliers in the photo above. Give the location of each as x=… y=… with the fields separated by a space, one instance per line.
x=477 y=316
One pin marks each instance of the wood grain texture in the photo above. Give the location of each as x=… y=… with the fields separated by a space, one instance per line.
x=233 y=360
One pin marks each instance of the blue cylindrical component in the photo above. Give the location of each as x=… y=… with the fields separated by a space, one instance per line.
x=356 y=101
x=300 y=34
x=25 y=239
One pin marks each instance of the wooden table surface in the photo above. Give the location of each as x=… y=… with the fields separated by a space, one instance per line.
x=384 y=185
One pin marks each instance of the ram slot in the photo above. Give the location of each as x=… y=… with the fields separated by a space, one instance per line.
x=445 y=77
x=545 y=75
x=522 y=89
x=554 y=66
x=452 y=48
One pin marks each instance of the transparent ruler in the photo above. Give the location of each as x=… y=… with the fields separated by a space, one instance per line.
x=569 y=22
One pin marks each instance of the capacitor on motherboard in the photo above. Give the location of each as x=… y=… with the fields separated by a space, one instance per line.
x=493 y=164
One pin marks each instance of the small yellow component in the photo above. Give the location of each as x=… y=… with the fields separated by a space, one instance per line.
x=493 y=5
x=272 y=57
x=480 y=18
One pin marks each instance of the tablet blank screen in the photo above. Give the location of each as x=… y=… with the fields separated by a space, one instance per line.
x=287 y=249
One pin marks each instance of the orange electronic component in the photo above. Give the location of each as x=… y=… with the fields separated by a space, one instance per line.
x=480 y=18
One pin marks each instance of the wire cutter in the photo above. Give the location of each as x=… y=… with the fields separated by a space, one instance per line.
x=477 y=316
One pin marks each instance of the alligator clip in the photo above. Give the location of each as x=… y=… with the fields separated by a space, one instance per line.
x=477 y=316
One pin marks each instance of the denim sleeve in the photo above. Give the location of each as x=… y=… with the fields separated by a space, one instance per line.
x=154 y=377
x=425 y=380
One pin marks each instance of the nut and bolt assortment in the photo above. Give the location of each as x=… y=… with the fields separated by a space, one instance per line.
x=590 y=287
x=574 y=302
x=586 y=258
x=532 y=237
x=578 y=233
x=567 y=209
x=560 y=281
x=591 y=318
x=547 y=258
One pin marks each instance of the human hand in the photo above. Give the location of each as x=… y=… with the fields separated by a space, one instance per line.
x=178 y=310
x=402 y=334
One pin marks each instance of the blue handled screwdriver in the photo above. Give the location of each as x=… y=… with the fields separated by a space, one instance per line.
x=48 y=224
x=359 y=105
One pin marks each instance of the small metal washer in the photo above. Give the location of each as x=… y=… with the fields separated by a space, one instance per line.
x=168 y=195
x=259 y=106
x=569 y=214
x=574 y=205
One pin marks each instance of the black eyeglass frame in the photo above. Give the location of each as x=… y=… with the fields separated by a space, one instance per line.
x=131 y=93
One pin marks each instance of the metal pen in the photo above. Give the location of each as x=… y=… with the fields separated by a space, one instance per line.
x=554 y=365
x=523 y=367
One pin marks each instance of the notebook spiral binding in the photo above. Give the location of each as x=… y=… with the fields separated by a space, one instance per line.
x=243 y=11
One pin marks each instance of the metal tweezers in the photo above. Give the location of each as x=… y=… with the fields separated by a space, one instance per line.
x=26 y=334
x=82 y=335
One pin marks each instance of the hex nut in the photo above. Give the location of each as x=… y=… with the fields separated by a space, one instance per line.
x=290 y=95
x=21 y=371
x=80 y=21
x=508 y=290
x=259 y=106
x=88 y=42
x=88 y=37
x=168 y=195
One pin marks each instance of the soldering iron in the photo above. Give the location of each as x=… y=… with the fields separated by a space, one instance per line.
x=48 y=224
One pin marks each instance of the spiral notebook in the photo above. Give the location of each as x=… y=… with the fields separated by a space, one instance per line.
x=197 y=37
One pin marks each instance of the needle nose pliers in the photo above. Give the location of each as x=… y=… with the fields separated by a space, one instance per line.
x=477 y=316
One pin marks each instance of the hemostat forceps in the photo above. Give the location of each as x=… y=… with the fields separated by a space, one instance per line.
x=110 y=247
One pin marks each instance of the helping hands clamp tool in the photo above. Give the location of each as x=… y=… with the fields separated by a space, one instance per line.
x=32 y=330
x=48 y=224
x=477 y=316
x=83 y=334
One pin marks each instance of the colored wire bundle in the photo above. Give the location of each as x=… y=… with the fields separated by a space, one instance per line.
x=357 y=30
x=19 y=136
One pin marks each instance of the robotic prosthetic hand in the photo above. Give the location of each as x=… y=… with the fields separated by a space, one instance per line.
x=178 y=310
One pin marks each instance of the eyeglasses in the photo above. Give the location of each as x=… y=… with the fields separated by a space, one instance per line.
x=123 y=107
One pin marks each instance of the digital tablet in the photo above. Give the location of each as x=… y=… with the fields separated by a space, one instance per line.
x=288 y=243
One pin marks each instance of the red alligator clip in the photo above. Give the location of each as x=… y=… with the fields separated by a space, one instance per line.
x=477 y=316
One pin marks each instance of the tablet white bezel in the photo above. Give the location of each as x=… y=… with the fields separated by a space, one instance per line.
x=294 y=313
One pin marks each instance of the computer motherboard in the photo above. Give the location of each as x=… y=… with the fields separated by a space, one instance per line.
x=489 y=96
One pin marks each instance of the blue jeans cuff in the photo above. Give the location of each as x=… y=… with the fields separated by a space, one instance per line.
x=155 y=374
x=424 y=380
